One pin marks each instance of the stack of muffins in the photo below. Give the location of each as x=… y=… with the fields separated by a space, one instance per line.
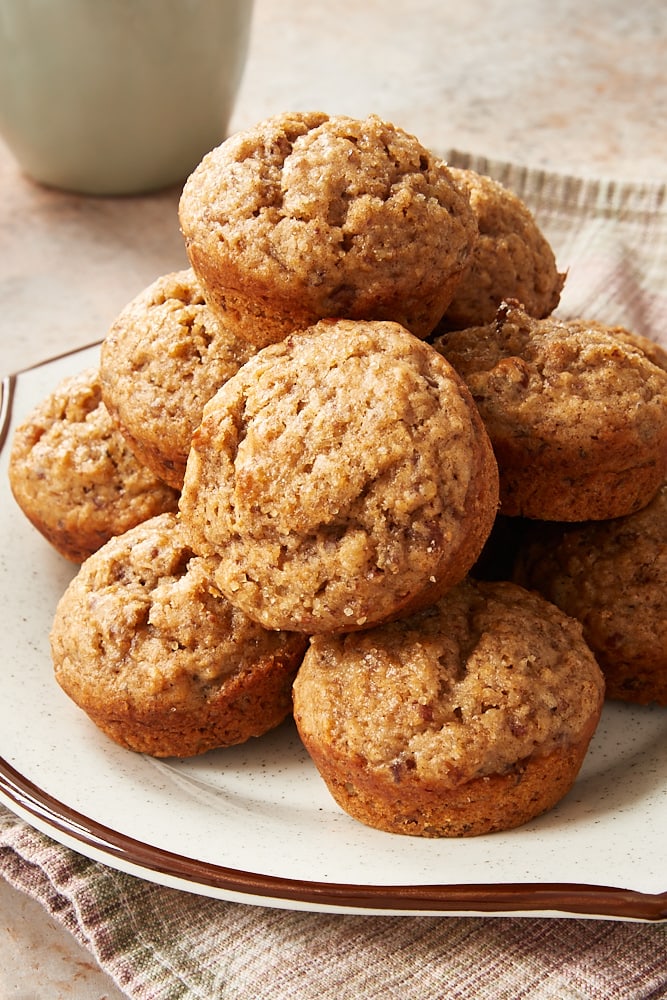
x=375 y=432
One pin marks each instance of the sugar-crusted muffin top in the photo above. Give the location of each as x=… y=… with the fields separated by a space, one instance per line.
x=332 y=476
x=73 y=474
x=162 y=359
x=612 y=576
x=328 y=211
x=564 y=380
x=488 y=676
x=142 y=621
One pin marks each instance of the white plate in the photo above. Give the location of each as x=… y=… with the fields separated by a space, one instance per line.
x=256 y=824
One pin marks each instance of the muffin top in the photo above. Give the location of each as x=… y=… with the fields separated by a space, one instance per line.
x=73 y=474
x=576 y=412
x=143 y=623
x=488 y=676
x=325 y=213
x=162 y=359
x=336 y=476
x=511 y=259
x=563 y=379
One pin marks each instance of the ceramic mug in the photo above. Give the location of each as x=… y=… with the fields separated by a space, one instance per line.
x=118 y=96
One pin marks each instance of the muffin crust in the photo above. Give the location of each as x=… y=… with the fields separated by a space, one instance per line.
x=576 y=412
x=471 y=716
x=342 y=477
x=162 y=359
x=511 y=259
x=144 y=643
x=73 y=474
x=307 y=216
x=612 y=577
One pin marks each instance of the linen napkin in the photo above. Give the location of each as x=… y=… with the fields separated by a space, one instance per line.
x=163 y=944
x=610 y=237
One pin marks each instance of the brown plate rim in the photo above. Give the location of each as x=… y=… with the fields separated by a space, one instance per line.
x=561 y=898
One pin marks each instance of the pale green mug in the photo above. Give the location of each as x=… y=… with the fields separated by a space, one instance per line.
x=118 y=96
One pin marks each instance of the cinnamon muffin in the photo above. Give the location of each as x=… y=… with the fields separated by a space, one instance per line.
x=73 y=475
x=307 y=216
x=653 y=351
x=340 y=478
x=162 y=359
x=612 y=576
x=471 y=716
x=145 y=644
x=576 y=412
x=511 y=259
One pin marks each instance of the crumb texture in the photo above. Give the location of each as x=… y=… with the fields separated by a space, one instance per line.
x=145 y=643
x=576 y=412
x=310 y=216
x=337 y=475
x=161 y=361
x=73 y=474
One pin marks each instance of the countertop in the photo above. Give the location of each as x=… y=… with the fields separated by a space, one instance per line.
x=555 y=84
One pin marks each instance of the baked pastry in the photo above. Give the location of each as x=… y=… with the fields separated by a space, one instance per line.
x=340 y=478
x=653 y=351
x=73 y=475
x=576 y=412
x=612 y=576
x=511 y=259
x=162 y=359
x=307 y=216
x=144 y=643
x=472 y=716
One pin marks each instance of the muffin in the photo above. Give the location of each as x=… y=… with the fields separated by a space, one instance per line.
x=340 y=478
x=653 y=351
x=73 y=475
x=306 y=217
x=612 y=576
x=511 y=259
x=162 y=359
x=576 y=412
x=144 y=643
x=470 y=717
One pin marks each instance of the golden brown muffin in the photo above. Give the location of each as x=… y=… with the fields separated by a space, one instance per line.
x=472 y=716
x=340 y=478
x=653 y=351
x=576 y=412
x=511 y=259
x=73 y=475
x=145 y=644
x=162 y=359
x=612 y=576
x=307 y=216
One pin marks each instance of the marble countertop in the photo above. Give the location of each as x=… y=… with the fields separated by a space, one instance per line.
x=555 y=84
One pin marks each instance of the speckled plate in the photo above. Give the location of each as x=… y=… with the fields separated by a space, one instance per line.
x=255 y=823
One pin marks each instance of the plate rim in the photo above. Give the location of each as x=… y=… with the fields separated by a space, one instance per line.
x=122 y=852
x=163 y=866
